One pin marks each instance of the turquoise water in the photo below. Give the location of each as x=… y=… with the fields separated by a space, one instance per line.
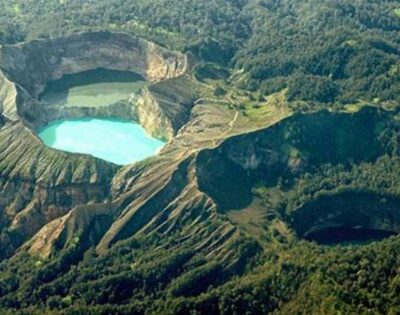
x=114 y=140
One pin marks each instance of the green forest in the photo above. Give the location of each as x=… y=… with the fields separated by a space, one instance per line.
x=330 y=55
x=341 y=51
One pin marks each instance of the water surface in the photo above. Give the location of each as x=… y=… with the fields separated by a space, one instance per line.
x=92 y=88
x=118 y=141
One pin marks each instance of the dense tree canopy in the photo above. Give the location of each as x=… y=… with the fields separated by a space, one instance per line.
x=333 y=53
x=348 y=49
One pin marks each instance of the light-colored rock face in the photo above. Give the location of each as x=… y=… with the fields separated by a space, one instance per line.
x=152 y=118
x=8 y=97
x=161 y=65
x=33 y=64
x=66 y=194
x=39 y=184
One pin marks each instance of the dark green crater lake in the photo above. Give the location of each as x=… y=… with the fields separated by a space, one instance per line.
x=92 y=88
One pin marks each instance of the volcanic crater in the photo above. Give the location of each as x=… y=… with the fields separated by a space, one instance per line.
x=202 y=181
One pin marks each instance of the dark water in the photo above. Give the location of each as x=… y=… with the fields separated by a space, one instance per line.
x=347 y=236
x=92 y=88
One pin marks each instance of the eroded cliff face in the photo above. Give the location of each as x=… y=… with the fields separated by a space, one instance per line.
x=163 y=108
x=8 y=97
x=31 y=65
x=39 y=184
x=156 y=196
x=194 y=183
x=294 y=146
x=54 y=203
x=162 y=195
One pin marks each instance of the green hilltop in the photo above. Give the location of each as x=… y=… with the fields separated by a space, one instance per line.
x=283 y=121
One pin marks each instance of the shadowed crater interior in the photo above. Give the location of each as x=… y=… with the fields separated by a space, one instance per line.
x=349 y=217
x=344 y=234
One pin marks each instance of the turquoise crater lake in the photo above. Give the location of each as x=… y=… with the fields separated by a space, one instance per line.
x=115 y=140
x=118 y=141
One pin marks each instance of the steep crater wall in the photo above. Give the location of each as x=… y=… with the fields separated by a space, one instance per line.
x=33 y=64
x=350 y=209
x=39 y=184
x=28 y=67
x=293 y=146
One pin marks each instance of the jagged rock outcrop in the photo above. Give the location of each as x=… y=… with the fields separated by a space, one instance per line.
x=52 y=203
x=8 y=97
x=163 y=108
x=39 y=184
x=191 y=182
x=29 y=66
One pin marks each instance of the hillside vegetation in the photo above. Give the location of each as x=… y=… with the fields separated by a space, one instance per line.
x=287 y=123
x=324 y=51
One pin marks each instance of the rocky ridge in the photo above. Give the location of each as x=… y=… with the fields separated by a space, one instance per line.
x=58 y=181
x=215 y=157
